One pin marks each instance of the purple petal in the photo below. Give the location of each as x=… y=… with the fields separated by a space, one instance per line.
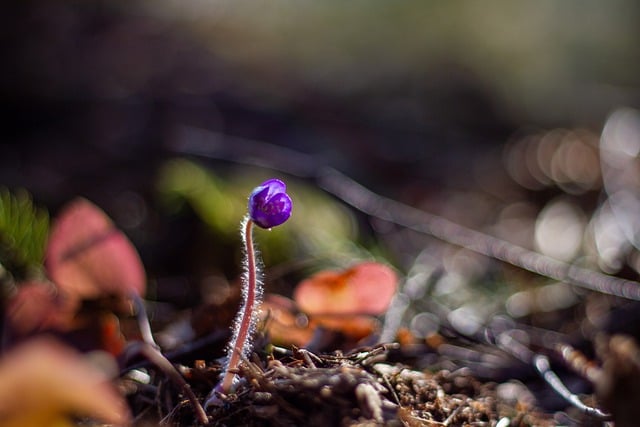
x=275 y=186
x=269 y=204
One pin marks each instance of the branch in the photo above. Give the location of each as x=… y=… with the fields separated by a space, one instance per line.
x=212 y=145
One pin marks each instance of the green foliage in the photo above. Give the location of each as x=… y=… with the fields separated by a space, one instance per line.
x=23 y=234
x=319 y=226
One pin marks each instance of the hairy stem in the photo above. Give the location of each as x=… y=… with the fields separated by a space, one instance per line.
x=247 y=315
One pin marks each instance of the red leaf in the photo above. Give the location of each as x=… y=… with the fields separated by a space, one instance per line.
x=88 y=257
x=366 y=288
x=35 y=308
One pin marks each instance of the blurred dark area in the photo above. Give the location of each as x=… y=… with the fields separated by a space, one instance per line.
x=408 y=99
x=92 y=92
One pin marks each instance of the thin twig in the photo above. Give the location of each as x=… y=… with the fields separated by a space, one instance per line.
x=418 y=220
x=542 y=366
x=161 y=362
x=307 y=357
x=385 y=378
x=579 y=363
x=186 y=350
x=450 y=417
x=143 y=321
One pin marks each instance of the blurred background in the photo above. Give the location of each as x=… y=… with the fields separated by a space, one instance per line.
x=487 y=114
x=93 y=91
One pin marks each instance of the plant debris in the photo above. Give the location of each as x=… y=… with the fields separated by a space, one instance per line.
x=361 y=388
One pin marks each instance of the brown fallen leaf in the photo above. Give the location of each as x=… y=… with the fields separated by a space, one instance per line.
x=366 y=288
x=285 y=323
x=341 y=301
x=43 y=382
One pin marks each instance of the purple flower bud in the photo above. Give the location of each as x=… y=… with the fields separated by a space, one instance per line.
x=269 y=204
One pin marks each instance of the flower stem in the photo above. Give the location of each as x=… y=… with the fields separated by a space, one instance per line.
x=269 y=206
x=247 y=316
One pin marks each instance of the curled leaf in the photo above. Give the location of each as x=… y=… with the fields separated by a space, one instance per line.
x=88 y=257
x=365 y=288
x=340 y=301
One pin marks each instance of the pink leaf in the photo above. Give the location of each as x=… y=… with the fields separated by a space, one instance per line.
x=88 y=257
x=366 y=288
x=35 y=308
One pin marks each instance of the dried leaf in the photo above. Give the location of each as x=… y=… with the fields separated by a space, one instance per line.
x=354 y=326
x=286 y=325
x=365 y=288
x=43 y=382
x=88 y=257
x=343 y=301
